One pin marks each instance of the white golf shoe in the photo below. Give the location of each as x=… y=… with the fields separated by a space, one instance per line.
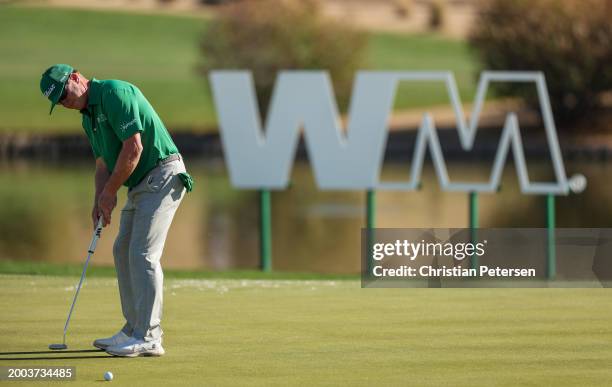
x=135 y=347
x=118 y=338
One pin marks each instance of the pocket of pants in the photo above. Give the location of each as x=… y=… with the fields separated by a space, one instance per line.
x=158 y=178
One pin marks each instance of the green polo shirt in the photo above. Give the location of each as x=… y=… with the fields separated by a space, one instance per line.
x=116 y=110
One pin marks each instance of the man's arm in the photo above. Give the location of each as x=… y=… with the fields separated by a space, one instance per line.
x=100 y=179
x=126 y=163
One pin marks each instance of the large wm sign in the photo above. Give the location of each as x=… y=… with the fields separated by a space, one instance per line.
x=262 y=159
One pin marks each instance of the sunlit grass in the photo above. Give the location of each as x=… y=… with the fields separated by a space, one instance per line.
x=279 y=333
x=159 y=53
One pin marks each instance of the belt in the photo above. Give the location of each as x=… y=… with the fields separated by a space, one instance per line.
x=169 y=159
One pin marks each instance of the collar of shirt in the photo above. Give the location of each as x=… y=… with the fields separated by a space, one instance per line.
x=95 y=92
x=94 y=96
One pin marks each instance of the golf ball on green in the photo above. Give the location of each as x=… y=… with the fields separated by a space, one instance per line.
x=108 y=376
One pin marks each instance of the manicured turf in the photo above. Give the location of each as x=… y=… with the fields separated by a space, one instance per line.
x=425 y=53
x=71 y=269
x=262 y=333
x=159 y=54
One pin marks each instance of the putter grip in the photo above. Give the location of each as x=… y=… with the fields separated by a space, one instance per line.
x=96 y=236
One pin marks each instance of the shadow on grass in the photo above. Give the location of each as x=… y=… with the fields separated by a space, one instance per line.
x=55 y=358
x=3 y=354
x=51 y=351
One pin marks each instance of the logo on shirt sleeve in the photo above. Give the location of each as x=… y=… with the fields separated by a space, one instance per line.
x=128 y=124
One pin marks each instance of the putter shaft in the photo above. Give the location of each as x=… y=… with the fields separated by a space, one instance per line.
x=90 y=251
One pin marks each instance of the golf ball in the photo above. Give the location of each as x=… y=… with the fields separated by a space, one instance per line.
x=577 y=183
x=108 y=376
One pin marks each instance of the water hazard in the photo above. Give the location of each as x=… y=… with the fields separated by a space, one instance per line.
x=45 y=214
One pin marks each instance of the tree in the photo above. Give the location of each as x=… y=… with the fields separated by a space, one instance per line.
x=570 y=41
x=267 y=36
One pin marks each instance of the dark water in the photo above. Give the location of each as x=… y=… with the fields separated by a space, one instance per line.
x=44 y=214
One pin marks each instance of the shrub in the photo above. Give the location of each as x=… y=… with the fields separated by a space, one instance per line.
x=214 y=2
x=266 y=36
x=570 y=41
x=436 y=14
x=403 y=8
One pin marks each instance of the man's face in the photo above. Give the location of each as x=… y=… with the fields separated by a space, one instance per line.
x=75 y=93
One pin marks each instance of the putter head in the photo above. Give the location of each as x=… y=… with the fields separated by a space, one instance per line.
x=58 y=347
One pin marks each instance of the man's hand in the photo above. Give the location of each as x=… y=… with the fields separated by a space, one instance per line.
x=106 y=203
x=95 y=215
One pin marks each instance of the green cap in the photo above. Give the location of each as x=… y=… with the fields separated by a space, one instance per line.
x=53 y=82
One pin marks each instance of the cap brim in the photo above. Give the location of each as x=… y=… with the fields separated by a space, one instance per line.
x=53 y=103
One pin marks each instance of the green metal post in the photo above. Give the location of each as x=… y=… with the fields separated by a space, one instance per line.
x=551 y=253
x=370 y=225
x=473 y=225
x=371 y=209
x=265 y=230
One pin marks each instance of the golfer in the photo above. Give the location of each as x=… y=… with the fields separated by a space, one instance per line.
x=132 y=147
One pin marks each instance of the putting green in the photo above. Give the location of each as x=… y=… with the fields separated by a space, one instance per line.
x=287 y=332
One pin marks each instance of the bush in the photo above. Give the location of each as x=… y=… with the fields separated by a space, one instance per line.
x=403 y=8
x=568 y=40
x=214 y=2
x=266 y=36
x=436 y=14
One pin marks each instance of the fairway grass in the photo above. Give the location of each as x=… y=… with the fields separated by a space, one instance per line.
x=159 y=53
x=283 y=332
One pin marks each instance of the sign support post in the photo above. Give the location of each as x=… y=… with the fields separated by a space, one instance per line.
x=473 y=199
x=265 y=230
x=551 y=253
x=370 y=225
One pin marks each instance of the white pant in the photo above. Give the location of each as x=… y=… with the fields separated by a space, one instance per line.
x=145 y=221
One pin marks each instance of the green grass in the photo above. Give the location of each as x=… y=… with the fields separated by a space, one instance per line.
x=28 y=267
x=159 y=54
x=263 y=333
x=425 y=53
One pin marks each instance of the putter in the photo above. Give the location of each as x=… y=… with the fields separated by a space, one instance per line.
x=92 y=248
